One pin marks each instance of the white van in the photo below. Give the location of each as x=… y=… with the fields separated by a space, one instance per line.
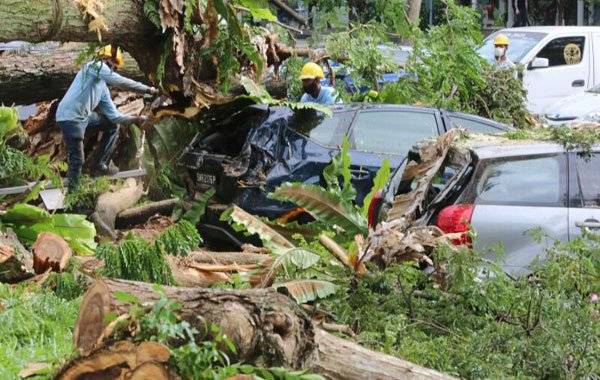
x=559 y=61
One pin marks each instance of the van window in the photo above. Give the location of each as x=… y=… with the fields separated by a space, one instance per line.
x=588 y=193
x=528 y=182
x=521 y=43
x=564 y=51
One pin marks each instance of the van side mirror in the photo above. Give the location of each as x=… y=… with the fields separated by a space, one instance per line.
x=539 y=63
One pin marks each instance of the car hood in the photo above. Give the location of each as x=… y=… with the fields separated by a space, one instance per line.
x=574 y=107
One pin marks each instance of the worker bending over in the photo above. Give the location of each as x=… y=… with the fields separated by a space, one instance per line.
x=88 y=105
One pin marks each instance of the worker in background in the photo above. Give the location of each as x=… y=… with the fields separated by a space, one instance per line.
x=521 y=9
x=500 y=49
x=88 y=105
x=311 y=76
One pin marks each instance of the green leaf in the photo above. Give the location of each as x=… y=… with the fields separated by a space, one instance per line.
x=300 y=257
x=381 y=178
x=303 y=291
x=340 y=166
x=22 y=213
x=255 y=90
x=126 y=297
x=198 y=209
x=241 y=220
x=323 y=205
x=259 y=9
x=9 y=120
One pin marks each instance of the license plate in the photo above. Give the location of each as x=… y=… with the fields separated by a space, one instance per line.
x=207 y=179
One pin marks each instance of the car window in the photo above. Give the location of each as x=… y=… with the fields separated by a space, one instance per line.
x=323 y=129
x=520 y=44
x=473 y=125
x=536 y=181
x=392 y=132
x=564 y=51
x=588 y=193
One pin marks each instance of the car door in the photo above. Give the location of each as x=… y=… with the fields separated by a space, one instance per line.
x=584 y=190
x=377 y=134
x=568 y=72
x=517 y=199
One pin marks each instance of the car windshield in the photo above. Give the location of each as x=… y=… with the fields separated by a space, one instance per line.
x=520 y=44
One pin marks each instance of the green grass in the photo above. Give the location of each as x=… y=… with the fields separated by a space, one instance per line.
x=34 y=327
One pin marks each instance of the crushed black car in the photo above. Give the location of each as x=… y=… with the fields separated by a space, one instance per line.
x=252 y=151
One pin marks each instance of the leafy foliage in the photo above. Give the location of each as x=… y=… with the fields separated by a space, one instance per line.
x=87 y=193
x=543 y=326
x=15 y=166
x=34 y=327
x=581 y=138
x=28 y=221
x=135 y=258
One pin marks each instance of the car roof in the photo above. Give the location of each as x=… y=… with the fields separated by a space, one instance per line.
x=498 y=146
x=551 y=29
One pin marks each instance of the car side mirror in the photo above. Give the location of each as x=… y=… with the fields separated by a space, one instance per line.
x=539 y=63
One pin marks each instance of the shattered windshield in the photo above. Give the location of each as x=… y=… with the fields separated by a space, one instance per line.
x=323 y=129
x=520 y=44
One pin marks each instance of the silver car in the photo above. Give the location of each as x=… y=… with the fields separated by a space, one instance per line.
x=522 y=196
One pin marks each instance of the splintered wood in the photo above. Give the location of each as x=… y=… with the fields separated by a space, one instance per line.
x=397 y=238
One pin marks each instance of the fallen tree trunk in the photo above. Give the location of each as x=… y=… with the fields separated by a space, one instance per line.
x=267 y=328
x=31 y=76
x=50 y=251
x=140 y=214
x=110 y=204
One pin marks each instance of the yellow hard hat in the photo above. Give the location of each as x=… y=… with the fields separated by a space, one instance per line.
x=501 y=39
x=311 y=71
x=107 y=52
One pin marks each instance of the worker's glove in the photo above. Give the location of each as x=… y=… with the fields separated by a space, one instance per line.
x=154 y=91
x=141 y=120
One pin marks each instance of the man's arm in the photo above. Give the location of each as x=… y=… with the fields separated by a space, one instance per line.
x=113 y=79
x=108 y=109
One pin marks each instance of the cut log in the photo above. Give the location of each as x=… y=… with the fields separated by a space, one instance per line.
x=267 y=328
x=141 y=214
x=110 y=204
x=122 y=360
x=16 y=263
x=287 y=9
x=50 y=251
x=33 y=75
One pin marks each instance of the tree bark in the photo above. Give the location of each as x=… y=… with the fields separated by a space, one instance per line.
x=28 y=77
x=414 y=10
x=140 y=214
x=267 y=327
x=16 y=263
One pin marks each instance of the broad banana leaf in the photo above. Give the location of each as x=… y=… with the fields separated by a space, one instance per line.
x=303 y=291
x=29 y=221
x=241 y=220
x=325 y=207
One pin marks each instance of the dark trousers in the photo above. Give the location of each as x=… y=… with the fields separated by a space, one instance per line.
x=73 y=134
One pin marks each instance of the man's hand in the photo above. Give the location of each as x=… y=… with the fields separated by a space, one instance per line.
x=154 y=91
x=141 y=120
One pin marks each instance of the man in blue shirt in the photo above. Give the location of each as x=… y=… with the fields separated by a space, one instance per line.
x=88 y=105
x=311 y=76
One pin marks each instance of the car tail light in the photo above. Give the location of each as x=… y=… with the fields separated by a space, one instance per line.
x=373 y=208
x=456 y=219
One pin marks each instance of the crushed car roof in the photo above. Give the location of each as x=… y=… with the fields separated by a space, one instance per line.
x=492 y=146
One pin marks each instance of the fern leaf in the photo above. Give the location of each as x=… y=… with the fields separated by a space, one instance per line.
x=244 y=221
x=326 y=207
x=303 y=291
